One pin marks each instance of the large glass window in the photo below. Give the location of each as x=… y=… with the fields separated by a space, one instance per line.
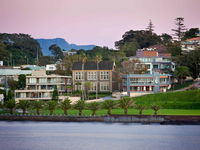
x=104 y=86
x=92 y=75
x=32 y=80
x=104 y=75
x=42 y=80
x=78 y=75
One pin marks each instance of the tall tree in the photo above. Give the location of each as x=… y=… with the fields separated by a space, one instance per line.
x=55 y=95
x=181 y=73
x=191 y=33
x=180 y=28
x=21 y=81
x=150 y=27
x=56 y=51
x=98 y=59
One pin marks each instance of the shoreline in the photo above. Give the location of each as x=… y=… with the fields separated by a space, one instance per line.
x=143 y=119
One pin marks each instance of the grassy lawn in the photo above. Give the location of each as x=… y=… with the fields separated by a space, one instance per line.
x=120 y=111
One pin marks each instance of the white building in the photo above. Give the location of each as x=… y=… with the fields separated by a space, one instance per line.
x=190 y=44
x=40 y=86
x=51 y=67
x=1 y=63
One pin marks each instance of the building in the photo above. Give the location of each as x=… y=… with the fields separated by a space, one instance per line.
x=141 y=84
x=40 y=86
x=51 y=67
x=155 y=61
x=1 y=63
x=101 y=76
x=190 y=44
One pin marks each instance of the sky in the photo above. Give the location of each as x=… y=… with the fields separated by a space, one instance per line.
x=99 y=22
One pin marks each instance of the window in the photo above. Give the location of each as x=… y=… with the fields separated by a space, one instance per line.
x=42 y=80
x=93 y=86
x=92 y=75
x=104 y=86
x=104 y=75
x=78 y=75
x=32 y=80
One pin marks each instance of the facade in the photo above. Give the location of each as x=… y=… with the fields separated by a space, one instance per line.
x=1 y=63
x=155 y=61
x=141 y=84
x=101 y=76
x=40 y=86
x=190 y=44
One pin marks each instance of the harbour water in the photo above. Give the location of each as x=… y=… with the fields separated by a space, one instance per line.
x=28 y=135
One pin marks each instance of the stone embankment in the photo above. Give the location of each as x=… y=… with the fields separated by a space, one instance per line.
x=144 y=119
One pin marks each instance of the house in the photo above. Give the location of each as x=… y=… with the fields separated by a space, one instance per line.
x=51 y=67
x=40 y=86
x=141 y=84
x=190 y=44
x=101 y=76
x=1 y=63
x=155 y=61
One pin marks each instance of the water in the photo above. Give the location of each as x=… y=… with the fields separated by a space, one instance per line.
x=97 y=136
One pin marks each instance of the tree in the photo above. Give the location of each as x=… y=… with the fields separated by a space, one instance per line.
x=180 y=29
x=87 y=86
x=21 y=81
x=94 y=106
x=174 y=48
x=37 y=105
x=51 y=106
x=55 y=95
x=191 y=33
x=192 y=61
x=150 y=27
x=155 y=108
x=166 y=38
x=56 y=52
x=109 y=105
x=10 y=95
x=44 y=60
x=125 y=103
x=130 y=48
x=65 y=106
x=140 y=107
x=80 y=106
x=24 y=105
x=181 y=73
x=10 y=104
x=98 y=59
x=12 y=84
x=133 y=66
x=83 y=76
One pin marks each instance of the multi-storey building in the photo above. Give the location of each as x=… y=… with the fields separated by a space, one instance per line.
x=141 y=84
x=190 y=44
x=40 y=86
x=101 y=76
x=155 y=61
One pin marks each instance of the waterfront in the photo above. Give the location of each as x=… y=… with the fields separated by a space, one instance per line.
x=27 y=135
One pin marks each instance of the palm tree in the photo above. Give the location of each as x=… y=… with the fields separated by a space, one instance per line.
x=87 y=85
x=98 y=59
x=51 y=105
x=140 y=107
x=83 y=75
x=94 y=106
x=10 y=105
x=125 y=103
x=38 y=105
x=24 y=105
x=155 y=108
x=65 y=105
x=80 y=106
x=109 y=105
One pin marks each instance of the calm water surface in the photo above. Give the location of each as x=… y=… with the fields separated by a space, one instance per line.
x=97 y=136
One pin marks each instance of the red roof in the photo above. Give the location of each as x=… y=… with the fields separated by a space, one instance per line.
x=194 y=39
x=150 y=53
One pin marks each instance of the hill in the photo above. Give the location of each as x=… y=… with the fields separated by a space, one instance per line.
x=18 y=49
x=46 y=43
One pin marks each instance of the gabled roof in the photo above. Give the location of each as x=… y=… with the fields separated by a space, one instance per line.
x=194 y=39
x=92 y=65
